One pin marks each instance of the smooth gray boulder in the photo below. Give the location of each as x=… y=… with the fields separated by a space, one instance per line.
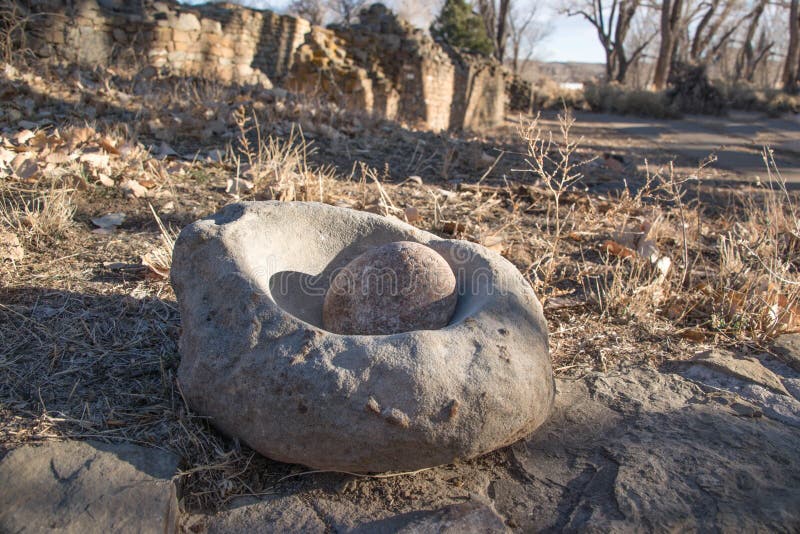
x=250 y=283
x=80 y=486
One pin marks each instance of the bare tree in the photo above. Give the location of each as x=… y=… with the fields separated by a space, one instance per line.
x=612 y=23
x=495 y=18
x=346 y=11
x=751 y=55
x=672 y=20
x=525 y=32
x=792 y=64
x=641 y=37
x=312 y=10
x=713 y=16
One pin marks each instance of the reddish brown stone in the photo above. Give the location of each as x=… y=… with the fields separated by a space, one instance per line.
x=397 y=287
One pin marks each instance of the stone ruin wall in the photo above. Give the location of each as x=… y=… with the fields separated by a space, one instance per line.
x=380 y=66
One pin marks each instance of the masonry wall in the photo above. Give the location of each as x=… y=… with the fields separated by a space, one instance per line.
x=380 y=66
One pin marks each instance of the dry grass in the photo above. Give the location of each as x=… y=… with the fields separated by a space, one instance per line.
x=651 y=254
x=757 y=288
x=103 y=367
x=38 y=215
x=556 y=168
x=274 y=167
x=614 y=98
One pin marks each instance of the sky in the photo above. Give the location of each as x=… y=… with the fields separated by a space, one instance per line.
x=572 y=38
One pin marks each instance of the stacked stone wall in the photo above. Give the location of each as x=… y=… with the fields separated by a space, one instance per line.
x=380 y=66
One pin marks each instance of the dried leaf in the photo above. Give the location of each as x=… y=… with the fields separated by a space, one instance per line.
x=6 y=156
x=412 y=214
x=156 y=264
x=78 y=136
x=453 y=228
x=693 y=334
x=96 y=160
x=57 y=158
x=109 y=222
x=40 y=140
x=132 y=187
x=109 y=146
x=495 y=243
x=10 y=247
x=105 y=180
x=663 y=265
x=615 y=249
x=236 y=185
x=28 y=170
x=782 y=310
x=575 y=236
x=24 y=136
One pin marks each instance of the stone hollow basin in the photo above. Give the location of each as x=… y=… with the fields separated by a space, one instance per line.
x=250 y=283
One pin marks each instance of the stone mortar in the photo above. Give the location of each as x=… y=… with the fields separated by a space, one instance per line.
x=250 y=283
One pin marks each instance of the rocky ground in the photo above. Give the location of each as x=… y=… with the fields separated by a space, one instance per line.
x=677 y=379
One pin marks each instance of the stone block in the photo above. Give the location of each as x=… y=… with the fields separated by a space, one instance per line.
x=162 y=34
x=120 y=36
x=211 y=26
x=244 y=71
x=187 y=22
x=176 y=57
x=221 y=51
x=181 y=36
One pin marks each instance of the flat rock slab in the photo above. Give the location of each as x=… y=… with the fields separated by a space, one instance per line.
x=744 y=368
x=465 y=518
x=787 y=347
x=636 y=449
x=80 y=486
x=764 y=385
x=278 y=514
x=294 y=514
x=650 y=451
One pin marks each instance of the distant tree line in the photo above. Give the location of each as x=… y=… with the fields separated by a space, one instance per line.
x=754 y=41
x=740 y=38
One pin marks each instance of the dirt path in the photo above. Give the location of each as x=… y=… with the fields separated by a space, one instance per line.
x=737 y=140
